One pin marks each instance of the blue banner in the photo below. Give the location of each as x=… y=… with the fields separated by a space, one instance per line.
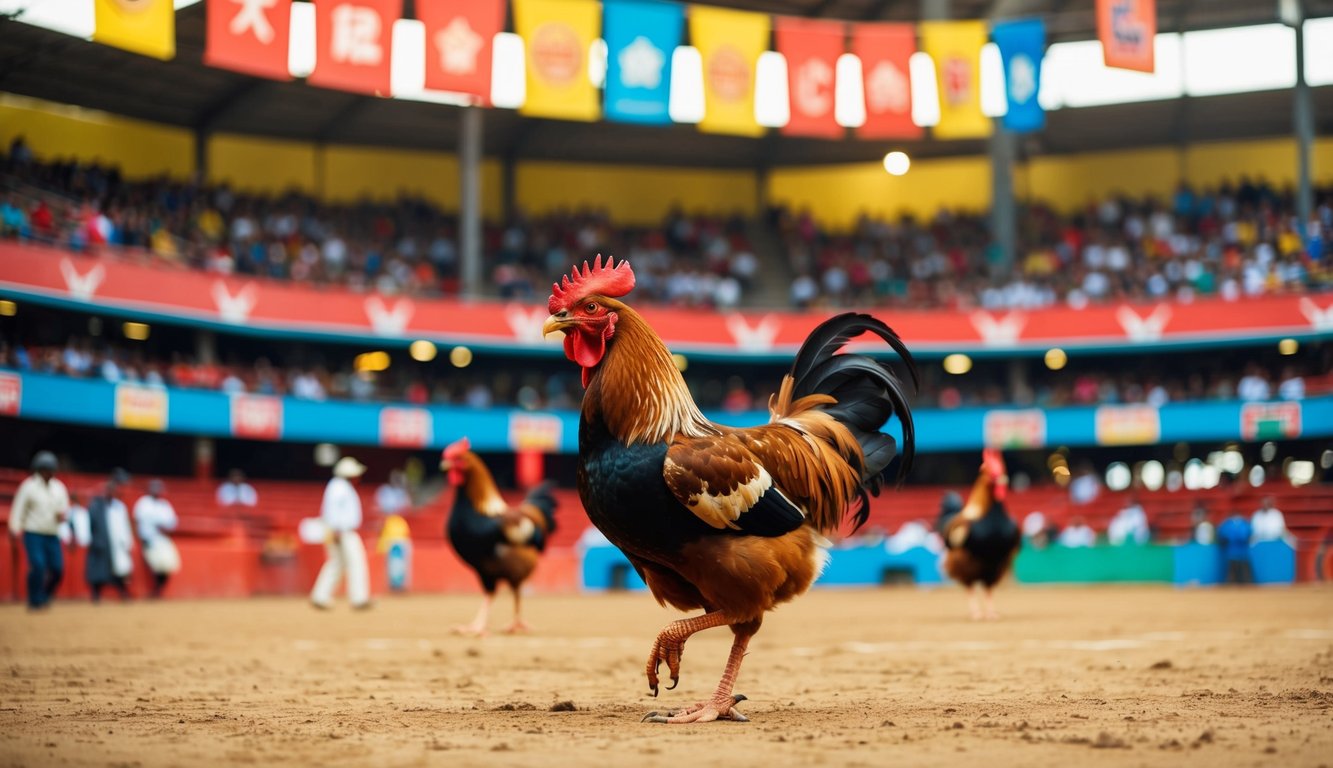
x=640 y=38
x=1022 y=44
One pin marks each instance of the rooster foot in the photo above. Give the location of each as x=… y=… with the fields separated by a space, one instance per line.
x=667 y=650
x=703 y=712
x=517 y=628
x=470 y=630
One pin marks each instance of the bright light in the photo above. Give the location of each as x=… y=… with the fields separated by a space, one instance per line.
x=369 y=362
x=1118 y=476
x=772 y=102
x=70 y=17
x=1326 y=459
x=849 y=96
x=1300 y=472
x=1232 y=462
x=1152 y=474
x=135 y=331
x=8 y=308
x=1056 y=359
x=1319 y=37
x=461 y=357
x=957 y=364
x=994 y=95
x=1268 y=452
x=1076 y=75
x=686 y=100
x=326 y=454
x=407 y=70
x=897 y=163
x=597 y=63
x=1288 y=346
x=682 y=362
x=301 y=47
x=1259 y=58
x=1256 y=476
x=925 y=90
x=422 y=351
x=509 y=80
x=1194 y=475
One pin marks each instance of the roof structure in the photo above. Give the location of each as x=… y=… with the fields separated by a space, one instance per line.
x=184 y=92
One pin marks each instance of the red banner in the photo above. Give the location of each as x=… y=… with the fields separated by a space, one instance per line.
x=812 y=49
x=1126 y=29
x=884 y=51
x=354 y=44
x=458 y=44
x=258 y=417
x=406 y=427
x=239 y=303
x=11 y=394
x=249 y=36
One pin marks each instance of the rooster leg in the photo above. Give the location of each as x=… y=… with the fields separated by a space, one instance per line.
x=974 y=602
x=478 y=626
x=990 y=605
x=519 y=625
x=670 y=644
x=723 y=704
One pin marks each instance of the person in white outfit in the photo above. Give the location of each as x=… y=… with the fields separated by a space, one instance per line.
x=41 y=504
x=1269 y=524
x=346 y=554
x=153 y=515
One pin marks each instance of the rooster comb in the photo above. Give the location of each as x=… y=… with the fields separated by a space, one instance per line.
x=457 y=448
x=609 y=279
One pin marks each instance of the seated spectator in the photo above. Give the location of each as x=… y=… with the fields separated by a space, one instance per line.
x=1130 y=524
x=235 y=492
x=1202 y=531
x=1085 y=487
x=392 y=498
x=1077 y=534
x=1268 y=524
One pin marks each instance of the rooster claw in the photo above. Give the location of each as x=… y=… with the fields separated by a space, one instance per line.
x=700 y=713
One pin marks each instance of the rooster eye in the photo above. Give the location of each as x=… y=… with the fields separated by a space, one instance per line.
x=590 y=308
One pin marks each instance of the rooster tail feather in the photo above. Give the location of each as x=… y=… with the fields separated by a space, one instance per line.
x=864 y=394
x=543 y=499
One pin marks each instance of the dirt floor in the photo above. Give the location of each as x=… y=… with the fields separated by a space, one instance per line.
x=1104 y=676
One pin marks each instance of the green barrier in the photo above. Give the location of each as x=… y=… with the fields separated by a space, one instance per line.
x=1099 y=564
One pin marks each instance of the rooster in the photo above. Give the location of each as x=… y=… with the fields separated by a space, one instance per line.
x=981 y=538
x=726 y=520
x=499 y=542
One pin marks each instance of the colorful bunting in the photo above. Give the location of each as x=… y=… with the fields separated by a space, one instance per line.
x=249 y=36
x=142 y=26
x=354 y=44
x=730 y=43
x=558 y=35
x=459 y=36
x=1022 y=44
x=955 y=47
x=812 y=49
x=640 y=38
x=885 y=51
x=1126 y=29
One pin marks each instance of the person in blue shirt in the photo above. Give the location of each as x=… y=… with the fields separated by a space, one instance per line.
x=1233 y=535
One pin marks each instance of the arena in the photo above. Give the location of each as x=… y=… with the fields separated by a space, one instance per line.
x=412 y=382
x=1096 y=676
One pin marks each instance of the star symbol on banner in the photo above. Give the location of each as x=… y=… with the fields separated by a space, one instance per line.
x=1022 y=78
x=887 y=89
x=641 y=64
x=458 y=44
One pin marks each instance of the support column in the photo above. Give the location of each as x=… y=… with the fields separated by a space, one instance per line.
x=205 y=347
x=469 y=208
x=1004 y=210
x=201 y=139
x=1303 y=115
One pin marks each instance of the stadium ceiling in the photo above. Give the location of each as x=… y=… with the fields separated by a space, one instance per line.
x=44 y=64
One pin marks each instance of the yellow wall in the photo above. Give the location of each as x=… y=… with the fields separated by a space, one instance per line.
x=261 y=166
x=1069 y=182
x=53 y=131
x=633 y=194
x=838 y=194
x=353 y=173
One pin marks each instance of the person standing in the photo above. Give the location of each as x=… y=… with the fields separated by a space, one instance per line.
x=235 y=492
x=153 y=515
x=345 y=553
x=40 y=505
x=110 y=540
x=1234 y=537
x=1268 y=524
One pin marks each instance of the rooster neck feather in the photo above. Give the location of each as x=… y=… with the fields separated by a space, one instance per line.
x=480 y=486
x=638 y=392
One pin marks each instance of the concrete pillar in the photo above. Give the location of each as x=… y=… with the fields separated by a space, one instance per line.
x=1303 y=115
x=469 y=208
x=1004 y=209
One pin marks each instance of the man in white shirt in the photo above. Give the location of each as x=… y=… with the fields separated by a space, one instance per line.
x=40 y=505
x=236 y=492
x=392 y=497
x=153 y=515
x=341 y=515
x=1129 y=526
x=1077 y=534
x=1268 y=524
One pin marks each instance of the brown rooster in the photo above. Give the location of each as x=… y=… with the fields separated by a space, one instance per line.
x=981 y=538
x=499 y=542
x=712 y=517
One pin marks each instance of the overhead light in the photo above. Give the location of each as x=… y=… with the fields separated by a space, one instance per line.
x=897 y=163
x=135 y=331
x=772 y=100
x=849 y=95
x=1056 y=359
x=1288 y=346
x=1152 y=473
x=681 y=361
x=8 y=308
x=370 y=362
x=422 y=351
x=301 y=40
x=509 y=78
x=461 y=357
x=925 y=90
x=957 y=364
x=686 y=98
x=326 y=454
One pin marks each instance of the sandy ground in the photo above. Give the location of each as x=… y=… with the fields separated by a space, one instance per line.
x=1097 y=676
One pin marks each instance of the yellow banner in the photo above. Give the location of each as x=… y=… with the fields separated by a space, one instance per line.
x=142 y=26
x=730 y=43
x=955 y=47
x=557 y=35
x=141 y=407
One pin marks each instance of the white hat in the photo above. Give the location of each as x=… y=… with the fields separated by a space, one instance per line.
x=348 y=467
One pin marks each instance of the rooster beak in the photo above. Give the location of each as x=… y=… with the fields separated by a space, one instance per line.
x=556 y=323
x=446 y=465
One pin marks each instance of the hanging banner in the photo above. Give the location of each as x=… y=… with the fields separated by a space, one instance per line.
x=640 y=37
x=956 y=48
x=812 y=49
x=729 y=43
x=354 y=44
x=884 y=51
x=142 y=26
x=557 y=35
x=249 y=36
x=459 y=34
x=1126 y=29
x=1022 y=44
